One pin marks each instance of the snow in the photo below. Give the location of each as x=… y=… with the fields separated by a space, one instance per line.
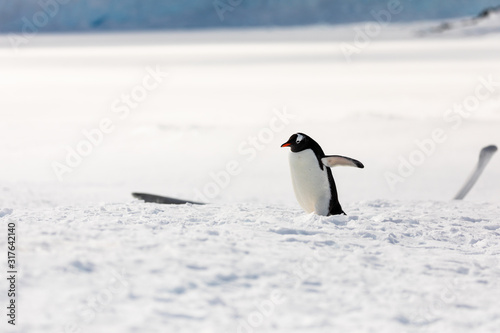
x=405 y=259
x=389 y=266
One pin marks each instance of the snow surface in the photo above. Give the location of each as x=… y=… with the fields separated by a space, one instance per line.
x=389 y=266
x=407 y=259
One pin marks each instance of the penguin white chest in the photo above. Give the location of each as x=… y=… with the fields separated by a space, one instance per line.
x=310 y=183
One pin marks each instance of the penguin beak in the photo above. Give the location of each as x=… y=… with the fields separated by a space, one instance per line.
x=286 y=144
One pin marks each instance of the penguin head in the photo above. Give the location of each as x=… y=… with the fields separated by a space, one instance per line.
x=299 y=142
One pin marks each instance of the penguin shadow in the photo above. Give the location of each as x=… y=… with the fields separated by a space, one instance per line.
x=312 y=220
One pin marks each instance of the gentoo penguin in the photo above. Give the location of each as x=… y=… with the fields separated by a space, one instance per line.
x=312 y=178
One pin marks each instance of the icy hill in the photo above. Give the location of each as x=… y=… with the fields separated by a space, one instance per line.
x=74 y=15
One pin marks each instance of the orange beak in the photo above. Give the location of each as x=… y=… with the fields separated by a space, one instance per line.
x=286 y=144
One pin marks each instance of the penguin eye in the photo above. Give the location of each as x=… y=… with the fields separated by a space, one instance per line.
x=299 y=138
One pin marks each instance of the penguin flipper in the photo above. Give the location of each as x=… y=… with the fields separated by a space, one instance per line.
x=336 y=160
x=163 y=200
x=484 y=157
